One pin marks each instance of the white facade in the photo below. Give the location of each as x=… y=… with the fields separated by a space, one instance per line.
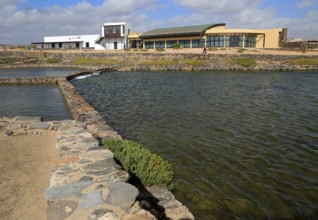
x=112 y=37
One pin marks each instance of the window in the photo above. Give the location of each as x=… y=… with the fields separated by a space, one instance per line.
x=170 y=43
x=60 y=45
x=233 y=41
x=185 y=43
x=196 y=43
x=160 y=44
x=215 y=41
x=149 y=45
x=77 y=44
x=123 y=29
x=250 y=41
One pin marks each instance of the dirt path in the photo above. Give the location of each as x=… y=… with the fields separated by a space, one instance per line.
x=25 y=165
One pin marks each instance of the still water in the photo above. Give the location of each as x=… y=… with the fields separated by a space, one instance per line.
x=41 y=71
x=242 y=145
x=26 y=100
x=34 y=100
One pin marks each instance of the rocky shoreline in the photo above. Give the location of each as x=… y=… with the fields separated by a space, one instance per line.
x=86 y=182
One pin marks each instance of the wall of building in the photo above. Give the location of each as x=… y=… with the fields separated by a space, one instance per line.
x=109 y=43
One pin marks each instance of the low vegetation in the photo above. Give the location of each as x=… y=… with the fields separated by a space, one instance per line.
x=53 y=60
x=193 y=62
x=245 y=62
x=172 y=62
x=159 y=62
x=304 y=61
x=149 y=167
x=160 y=49
x=177 y=46
x=95 y=61
x=241 y=50
x=212 y=49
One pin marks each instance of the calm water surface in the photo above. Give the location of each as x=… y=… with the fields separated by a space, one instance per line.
x=242 y=145
x=30 y=72
x=34 y=100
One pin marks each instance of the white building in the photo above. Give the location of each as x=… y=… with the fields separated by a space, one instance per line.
x=112 y=38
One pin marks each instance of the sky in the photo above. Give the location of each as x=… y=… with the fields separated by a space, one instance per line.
x=26 y=21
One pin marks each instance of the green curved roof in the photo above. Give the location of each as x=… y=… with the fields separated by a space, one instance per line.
x=194 y=30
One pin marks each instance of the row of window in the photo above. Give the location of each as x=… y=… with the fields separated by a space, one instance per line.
x=169 y=44
x=211 y=41
x=231 y=41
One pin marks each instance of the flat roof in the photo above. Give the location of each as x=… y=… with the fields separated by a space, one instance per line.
x=57 y=42
x=194 y=30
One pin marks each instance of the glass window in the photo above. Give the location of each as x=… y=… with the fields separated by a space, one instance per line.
x=160 y=44
x=185 y=43
x=196 y=43
x=250 y=41
x=170 y=43
x=149 y=45
x=215 y=41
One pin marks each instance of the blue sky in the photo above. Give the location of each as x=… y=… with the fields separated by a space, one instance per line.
x=25 y=21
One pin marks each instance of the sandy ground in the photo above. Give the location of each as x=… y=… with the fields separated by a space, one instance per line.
x=25 y=165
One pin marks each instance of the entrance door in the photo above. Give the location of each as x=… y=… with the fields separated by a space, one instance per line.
x=115 y=45
x=87 y=44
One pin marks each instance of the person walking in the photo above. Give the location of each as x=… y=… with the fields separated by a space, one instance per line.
x=204 y=48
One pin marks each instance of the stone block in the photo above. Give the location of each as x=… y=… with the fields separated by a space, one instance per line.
x=122 y=195
x=40 y=125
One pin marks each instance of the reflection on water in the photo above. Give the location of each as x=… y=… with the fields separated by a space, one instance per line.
x=242 y=145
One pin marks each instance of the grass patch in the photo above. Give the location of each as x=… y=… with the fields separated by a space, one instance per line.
x=149 y=167
x=304 y=61
x=143 y=50
x=127 y=49
x=241 y=50
x=95 y=61
x=53 y=60
x=136 y=49
x=245 y=62
x=212 y=49
x=159 y=62
x=193 y=62
x=223 y=48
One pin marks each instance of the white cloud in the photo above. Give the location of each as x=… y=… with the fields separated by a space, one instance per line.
x=220 y=6
x=306 y=3
x=31 y=25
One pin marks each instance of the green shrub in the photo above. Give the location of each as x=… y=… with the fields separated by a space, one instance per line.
x=245 y=62
x=143 y=50
x=150 y=168
x=223 y=48
x=177 y=46
x=160 y=49
x=127 y=49
x=53 y=60
x=136 y=49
